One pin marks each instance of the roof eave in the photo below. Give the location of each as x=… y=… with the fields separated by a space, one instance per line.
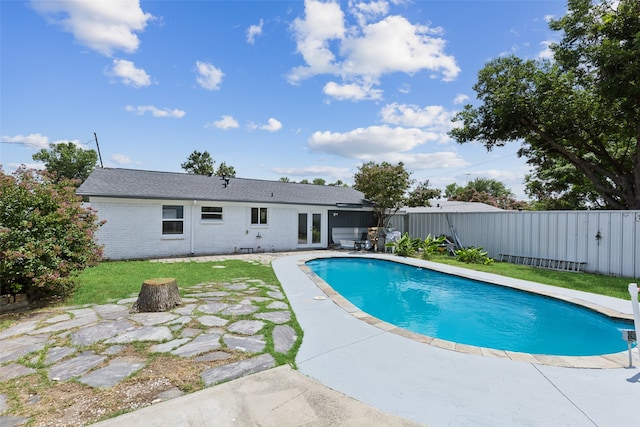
x=281 y=202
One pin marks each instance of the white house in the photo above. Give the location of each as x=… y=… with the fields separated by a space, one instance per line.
x=161 y=214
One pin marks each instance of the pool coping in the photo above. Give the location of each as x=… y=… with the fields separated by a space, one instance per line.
x=605 y=361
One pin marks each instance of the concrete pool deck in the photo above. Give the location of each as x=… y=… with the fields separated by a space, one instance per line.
x=438 y=386
x=352 y=372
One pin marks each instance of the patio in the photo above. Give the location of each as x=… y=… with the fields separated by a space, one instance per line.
x=437 y=386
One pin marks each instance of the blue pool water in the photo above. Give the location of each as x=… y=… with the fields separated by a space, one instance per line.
x=470 y=312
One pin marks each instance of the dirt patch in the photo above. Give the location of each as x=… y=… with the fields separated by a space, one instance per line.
x=50 y=403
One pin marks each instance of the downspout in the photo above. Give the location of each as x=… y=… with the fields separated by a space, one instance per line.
x=193 y=214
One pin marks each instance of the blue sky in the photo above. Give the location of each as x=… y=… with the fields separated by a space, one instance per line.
x=273 y=88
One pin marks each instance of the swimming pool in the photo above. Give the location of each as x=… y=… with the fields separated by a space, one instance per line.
x=470 y=312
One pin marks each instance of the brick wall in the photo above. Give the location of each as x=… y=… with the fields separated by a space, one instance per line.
x=134 y=229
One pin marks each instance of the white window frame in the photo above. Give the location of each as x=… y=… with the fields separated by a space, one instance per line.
x=179 y=218
x=220 y=214
x=259 y=212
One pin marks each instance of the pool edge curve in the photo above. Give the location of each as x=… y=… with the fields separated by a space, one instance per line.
x=604 y=361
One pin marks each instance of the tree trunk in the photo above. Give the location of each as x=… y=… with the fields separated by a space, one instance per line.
x=157 y=295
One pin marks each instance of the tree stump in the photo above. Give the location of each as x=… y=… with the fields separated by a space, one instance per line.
x=159 y=294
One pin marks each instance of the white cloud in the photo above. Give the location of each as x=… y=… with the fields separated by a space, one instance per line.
x=209 y=77
x=129 y=74
x=434 y=119
x=38 y=141
x=352 y=91
x=104 y=26
x=396 y=45
x=460 y=99
x=426 y=161
x=272 y=125
x=155 y=112
x=323 y=22
x=35 y=140
x=365 y=12
x=366 y=143
x=368 y=50
x=504 y=175
x=384 y=143
x=254 y=31
x=121 y=159
x=226 y=122
x=431 y=116
x=546 y=52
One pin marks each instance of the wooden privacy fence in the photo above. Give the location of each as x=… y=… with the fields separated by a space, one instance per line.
x=604 y=242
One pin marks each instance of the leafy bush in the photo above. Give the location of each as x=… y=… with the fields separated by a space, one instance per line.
x=432 y=245
x=405 y=246
x=472 y=255
x=46 y=235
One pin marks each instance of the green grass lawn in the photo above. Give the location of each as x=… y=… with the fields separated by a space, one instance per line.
x=120 y=279
x=617 y=287
x=111 y=281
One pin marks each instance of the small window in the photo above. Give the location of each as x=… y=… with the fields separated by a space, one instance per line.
x=211 y=213
x=259 y=216
x=172 y=219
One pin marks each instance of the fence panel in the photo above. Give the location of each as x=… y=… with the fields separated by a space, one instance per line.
x=606 y=241
x=629 y=245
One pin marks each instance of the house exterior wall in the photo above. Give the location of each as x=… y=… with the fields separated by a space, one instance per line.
x=564 y=235
x=133 y=228
x=235 y=231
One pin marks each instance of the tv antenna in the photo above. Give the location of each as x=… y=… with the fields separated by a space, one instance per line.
x=97 y=145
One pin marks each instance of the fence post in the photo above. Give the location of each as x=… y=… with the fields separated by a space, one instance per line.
x=633 y=291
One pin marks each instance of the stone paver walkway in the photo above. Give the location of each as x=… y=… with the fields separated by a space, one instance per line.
x=214 y=320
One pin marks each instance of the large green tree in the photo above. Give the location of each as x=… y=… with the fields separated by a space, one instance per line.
x=421 y=195
x=225 y=170
x=580 y=111
x=67 y=160
x=199 y=163
x=387 y=187
x=559 y=185
x=484 y=190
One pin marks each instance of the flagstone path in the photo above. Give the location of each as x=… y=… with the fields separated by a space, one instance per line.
x=214 y=320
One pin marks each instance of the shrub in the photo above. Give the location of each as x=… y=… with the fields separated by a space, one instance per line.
x=432 y=245
x=46 y=235
x=405 y=246
x=472 y=255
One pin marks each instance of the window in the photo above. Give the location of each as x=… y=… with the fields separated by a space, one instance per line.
x=259 y=216
x=211 y=213
x=172 y=219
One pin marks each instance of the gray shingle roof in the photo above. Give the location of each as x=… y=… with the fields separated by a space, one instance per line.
x=142 y=184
